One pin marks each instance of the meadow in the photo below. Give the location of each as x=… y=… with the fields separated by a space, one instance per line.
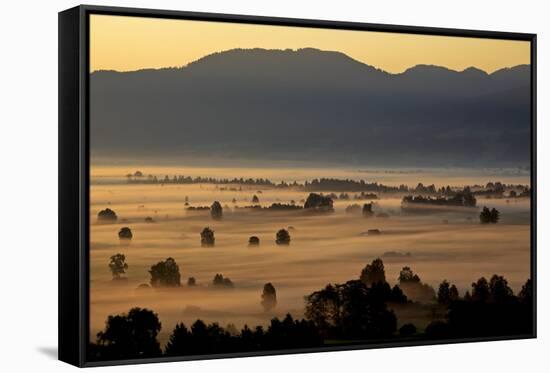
x=324 y=248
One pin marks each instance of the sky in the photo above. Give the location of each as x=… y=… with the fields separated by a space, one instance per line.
x=132 y=43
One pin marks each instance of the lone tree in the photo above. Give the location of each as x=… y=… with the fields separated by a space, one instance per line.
x=373 y=273
x=107 y=215
x=165 y=274
x=125 y=233
x=269 y=297
x=118 y=265
x=254 y=241
x=131 y=335
x=216 y=210
x=219 y=280
x=191 y=281
x=367 y=210
x=283 y=237
x=207 y=237
x=255 y=199
x=319 y=202
x=489 y=216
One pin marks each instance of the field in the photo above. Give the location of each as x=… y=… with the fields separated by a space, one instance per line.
x=326 y=248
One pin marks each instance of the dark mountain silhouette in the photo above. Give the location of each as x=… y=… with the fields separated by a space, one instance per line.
x=312 y=105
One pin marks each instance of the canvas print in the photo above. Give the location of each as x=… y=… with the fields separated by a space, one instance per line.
x=266 y=188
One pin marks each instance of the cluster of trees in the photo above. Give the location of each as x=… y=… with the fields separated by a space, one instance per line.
x=276 y=206
x=464 y=198
x=165 y=274
x=365 y=196
x=489 y=309
x=487 y=215
x=221 y=281
x=357 y=311
x=319 y=202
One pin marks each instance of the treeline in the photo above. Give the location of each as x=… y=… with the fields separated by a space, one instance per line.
x=348 y=185
x=323 y=184
x=358 y=311
x=493 y=189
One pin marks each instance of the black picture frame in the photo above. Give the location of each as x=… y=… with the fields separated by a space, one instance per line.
x=73 y=250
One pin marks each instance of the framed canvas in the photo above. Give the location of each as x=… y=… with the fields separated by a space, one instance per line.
x=235 y=186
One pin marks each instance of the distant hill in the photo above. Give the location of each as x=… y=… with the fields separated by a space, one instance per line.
x=316 y=106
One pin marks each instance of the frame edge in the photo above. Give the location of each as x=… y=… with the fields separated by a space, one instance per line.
x=69 y=153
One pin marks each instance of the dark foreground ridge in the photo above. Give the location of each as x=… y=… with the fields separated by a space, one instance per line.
x=360 y=311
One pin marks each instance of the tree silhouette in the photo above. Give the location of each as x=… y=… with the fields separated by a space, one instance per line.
x=216 y=210
x=207 y=237
x=373 y=273
x=353 y=209
x=282 y=237
x=269 y=297
x=255 y=199
x=526 y=293
x=191 y=281
x=253 y=241
x=125 y=233
x=131 y=335
x=219 y=280
x=480 y=290
x=165 y=274
x=180 y=342
x=118 y=265
x=407 y=330
x=489 y=216
x=453 y=293
x=413 y=287
x=443 y=293
x=367 y=210
x=149 y=219
x=107 y=215
x=499 y=290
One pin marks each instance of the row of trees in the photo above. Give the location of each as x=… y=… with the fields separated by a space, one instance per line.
x=134 y=335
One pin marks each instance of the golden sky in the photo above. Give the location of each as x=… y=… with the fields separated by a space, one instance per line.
x=132 y=43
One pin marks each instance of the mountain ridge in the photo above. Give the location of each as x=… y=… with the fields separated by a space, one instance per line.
x=325 y=106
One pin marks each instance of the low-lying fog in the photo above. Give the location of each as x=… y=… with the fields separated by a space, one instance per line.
x=324 y=249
